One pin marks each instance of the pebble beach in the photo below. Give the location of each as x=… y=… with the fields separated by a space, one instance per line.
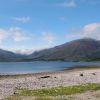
x=8 y=84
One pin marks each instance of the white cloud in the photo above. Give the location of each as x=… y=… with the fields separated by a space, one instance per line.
x=67 y=3
x=49 y=37
x=23 y=49
x=92 y=31
x=23 y=19
x=18 y=34
x=91 y=27
x=3 y=35
x=19 y=50
x=88 y=31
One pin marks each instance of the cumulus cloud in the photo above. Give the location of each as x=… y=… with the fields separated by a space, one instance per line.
x=88 y=31
x=24 y=51
x=67 y=3
x=17 y=34
x=49 y=37
x=92 y=30
x=21 y=50
x=23 y=19
x=91 y=27
x=3 y=35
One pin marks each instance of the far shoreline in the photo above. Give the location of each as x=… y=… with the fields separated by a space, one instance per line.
x=67 y=70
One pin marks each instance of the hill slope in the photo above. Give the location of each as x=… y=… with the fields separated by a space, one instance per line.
x=9 y=56
x=77 y=50
x=82 y=49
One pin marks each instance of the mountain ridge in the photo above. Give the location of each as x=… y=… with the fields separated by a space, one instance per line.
x=75 y=50
x=85 y=49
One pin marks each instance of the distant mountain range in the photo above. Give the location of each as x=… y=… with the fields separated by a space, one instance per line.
x=77 y=50
x=6 y=56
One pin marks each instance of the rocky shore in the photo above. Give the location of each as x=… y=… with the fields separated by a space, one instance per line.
x=8 y=84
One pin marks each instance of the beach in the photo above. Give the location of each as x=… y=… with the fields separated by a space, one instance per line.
x=9 y=83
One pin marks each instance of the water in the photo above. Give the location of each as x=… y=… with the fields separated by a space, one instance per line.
x=39 y=66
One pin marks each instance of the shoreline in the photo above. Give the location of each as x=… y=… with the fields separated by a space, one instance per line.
x=72 y=69
x=69 y=77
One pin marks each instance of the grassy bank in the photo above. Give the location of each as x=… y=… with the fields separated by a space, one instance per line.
x=52 y=93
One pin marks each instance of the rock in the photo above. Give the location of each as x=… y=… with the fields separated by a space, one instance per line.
x=43 y=86
x=45 y=77
x=81 y=74
x=93 y=74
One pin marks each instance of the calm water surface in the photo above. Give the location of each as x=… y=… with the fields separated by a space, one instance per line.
x=39 y=66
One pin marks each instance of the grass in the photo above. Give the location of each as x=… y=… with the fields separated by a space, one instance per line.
x=46 y=94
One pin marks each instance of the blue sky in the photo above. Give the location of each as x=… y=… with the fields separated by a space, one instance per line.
x=28 y=25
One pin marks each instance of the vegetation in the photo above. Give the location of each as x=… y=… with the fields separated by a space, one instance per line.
x=47 y=94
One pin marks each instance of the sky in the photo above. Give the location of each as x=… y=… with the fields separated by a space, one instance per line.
x=29 y=25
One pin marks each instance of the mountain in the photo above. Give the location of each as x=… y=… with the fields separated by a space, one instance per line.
x=78 y=50
x=9 y=56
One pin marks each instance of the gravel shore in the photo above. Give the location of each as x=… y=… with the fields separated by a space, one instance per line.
x=9 y=84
